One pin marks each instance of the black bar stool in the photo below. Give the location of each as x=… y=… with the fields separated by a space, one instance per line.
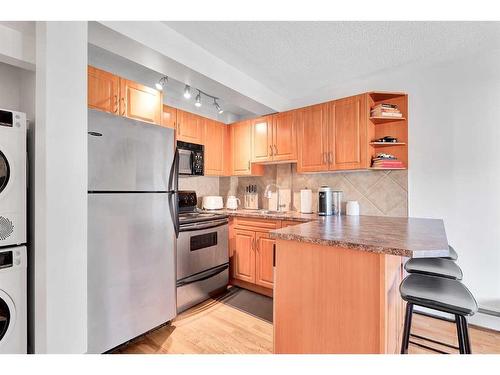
x=440 y=294
x=434 y=267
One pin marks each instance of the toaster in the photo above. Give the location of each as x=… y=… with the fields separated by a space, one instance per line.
x=212 y=202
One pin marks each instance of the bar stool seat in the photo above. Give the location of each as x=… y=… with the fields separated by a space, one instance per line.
x=453 y=254
x=438 y=293
x=434 y=267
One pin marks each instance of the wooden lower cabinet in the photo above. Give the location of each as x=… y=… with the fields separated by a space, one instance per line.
x=264 y=259
x=349 y=299
x=251 y=253
x=243 y=255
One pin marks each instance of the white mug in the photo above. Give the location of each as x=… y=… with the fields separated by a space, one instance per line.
x=232 y=202
x=352 y=208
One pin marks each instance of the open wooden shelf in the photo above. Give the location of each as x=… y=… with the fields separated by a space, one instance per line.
x=388 y=143
x=381 y=120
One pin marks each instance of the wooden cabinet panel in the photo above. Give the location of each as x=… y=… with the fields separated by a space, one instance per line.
x=103 y=90
x=262 y=139
x=243 y=260
x=394 y=307
x=284 y=136
x=190 y=127
x=347 y=134
x=214 y=148
x=140 y=102
x=313 y=139
x=169 y=117
x=264 y=259
x=241 y=150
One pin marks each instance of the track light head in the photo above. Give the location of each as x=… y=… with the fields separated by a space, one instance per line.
x=187 y=92
x=198 y=100
x=161 y=83
x=217 y=106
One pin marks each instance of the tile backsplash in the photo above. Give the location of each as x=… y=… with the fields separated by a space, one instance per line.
x=382 y=193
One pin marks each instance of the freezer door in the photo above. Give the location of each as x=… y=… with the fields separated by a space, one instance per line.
x=131 y=267
x=128 y=155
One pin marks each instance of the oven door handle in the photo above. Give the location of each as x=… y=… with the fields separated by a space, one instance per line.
x=204 y=275
x=198 y=226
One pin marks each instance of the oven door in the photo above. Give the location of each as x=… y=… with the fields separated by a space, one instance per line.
x=201 y=246
x=185 y=162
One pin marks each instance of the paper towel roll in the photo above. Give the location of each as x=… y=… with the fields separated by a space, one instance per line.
x=306 y=201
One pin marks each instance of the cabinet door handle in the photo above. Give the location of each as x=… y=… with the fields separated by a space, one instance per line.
x=275 y=150
x=249 y=165
x=271 y=148
x=274 y=255
x=330 y=157
x=116 y=104
x=123 y=104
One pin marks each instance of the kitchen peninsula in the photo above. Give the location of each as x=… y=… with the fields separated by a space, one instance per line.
x=336 y=281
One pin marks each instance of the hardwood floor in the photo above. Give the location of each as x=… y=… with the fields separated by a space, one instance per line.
x=216 y=328
x=209 y=328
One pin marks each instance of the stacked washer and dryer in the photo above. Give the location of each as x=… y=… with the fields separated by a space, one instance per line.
x=13 y=219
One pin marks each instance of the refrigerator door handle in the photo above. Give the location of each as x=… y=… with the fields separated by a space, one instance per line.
x=173 y=184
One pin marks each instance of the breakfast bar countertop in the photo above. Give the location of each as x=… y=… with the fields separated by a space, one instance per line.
x=402 y=236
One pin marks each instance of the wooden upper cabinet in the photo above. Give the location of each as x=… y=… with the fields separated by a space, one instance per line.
x=347 y=133
x=214 y=147
x=140 y=102
x=262 y=139
x=264 y=260
x=312 y=139
x=241 y=154
x=103 y=90
x=243 y=255
x=169 y=117
x=190 y=127
x=284 y=136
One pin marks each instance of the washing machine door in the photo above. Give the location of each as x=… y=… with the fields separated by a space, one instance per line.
x=7 y=317
x=4 y=172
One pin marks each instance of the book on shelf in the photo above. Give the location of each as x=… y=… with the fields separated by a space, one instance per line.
x=385 y=110
x=386 y=114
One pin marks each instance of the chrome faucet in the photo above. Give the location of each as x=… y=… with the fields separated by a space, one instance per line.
x=268 y=195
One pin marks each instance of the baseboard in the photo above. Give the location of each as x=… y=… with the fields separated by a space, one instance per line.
x=254 y=288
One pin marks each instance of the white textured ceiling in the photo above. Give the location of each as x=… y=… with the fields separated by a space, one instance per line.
x=296 y=58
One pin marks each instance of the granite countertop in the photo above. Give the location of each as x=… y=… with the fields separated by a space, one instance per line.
x=409 y=237
x=263 y=214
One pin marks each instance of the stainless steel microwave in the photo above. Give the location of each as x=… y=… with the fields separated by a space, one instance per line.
x=191 y=159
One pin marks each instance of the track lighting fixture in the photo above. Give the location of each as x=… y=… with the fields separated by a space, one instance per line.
x=219 y=109
x=187 y=92
x=198 y=99
x=161 y=83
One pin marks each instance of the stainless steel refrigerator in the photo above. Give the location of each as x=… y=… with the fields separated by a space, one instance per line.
x=131 y=233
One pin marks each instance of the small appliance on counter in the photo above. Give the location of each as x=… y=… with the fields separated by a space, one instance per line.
x=212 y=202
x=251 y=199
x=325 y=201
x=232 y=202
x=337 y=202
x=306 y=201
x=329 y=201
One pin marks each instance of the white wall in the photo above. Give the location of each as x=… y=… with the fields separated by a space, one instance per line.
x=454 y=158
x=60 y=243
x=17 y=89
